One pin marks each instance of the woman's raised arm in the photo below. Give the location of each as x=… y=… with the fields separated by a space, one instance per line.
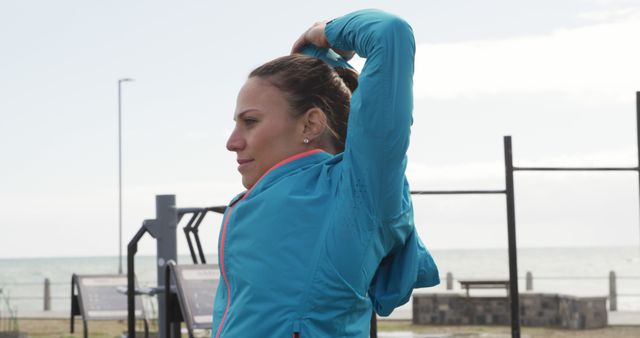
x=381 y=107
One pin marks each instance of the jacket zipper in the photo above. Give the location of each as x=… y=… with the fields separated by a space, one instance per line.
x=224 y=235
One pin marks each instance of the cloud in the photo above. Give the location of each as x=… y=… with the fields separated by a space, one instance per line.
x=609 y=15
x=597 y=62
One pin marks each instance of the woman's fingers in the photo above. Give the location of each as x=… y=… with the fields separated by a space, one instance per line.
x=314 y=35
x=297 y=46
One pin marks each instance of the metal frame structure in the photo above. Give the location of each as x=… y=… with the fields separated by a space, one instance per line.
x=164 y=230
x=511 y=217
x=78 y=306
x=179 y=307
x=193 y=226
x=513 y=262
x=199 y=213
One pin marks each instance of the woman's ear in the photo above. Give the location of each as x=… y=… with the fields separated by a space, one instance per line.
x=315 y=123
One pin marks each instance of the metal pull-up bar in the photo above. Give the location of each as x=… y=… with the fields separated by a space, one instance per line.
x=575 y=169
x=511 y=226
x=511 y=218
x=514 y=298
x=457 y=192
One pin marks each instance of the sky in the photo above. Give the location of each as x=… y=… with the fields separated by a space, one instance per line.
x=560 y=77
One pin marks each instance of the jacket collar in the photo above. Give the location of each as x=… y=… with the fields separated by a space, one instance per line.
x=281 y=169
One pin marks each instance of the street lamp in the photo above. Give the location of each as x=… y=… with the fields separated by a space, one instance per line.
x=120 y=81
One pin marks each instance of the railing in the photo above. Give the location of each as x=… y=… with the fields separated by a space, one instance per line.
x=612 y=280
x=8 y=314
x=47 y=296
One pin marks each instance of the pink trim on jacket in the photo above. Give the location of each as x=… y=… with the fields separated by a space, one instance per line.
x=281 y=163
x=224 y=274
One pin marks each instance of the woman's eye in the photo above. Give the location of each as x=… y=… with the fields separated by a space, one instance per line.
x=249 y=121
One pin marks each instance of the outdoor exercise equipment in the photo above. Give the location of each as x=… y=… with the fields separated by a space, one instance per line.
x=192 y=227
x=164 y=230
x=96 y=297
x=195 y=288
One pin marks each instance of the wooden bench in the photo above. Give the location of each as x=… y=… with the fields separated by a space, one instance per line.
x=484 y=284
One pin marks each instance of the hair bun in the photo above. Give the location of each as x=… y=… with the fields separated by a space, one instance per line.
x=348 y=76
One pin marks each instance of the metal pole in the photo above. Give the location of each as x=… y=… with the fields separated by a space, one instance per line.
x=373 y=328
x=164 y=231
x=119 y=177
x=73 y=301
x=132 y=249
x=47 y=294
x=613 y=293
x=638 y=138
x=514 y=296
x=120 y=172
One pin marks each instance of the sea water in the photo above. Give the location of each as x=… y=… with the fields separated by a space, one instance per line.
x=570 y=271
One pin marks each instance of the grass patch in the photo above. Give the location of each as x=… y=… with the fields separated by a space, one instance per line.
x=59 y=328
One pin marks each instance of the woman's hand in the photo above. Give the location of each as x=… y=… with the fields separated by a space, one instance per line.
x=315 y=36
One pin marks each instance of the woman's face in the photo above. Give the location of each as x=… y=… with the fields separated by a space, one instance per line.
x=265 y=132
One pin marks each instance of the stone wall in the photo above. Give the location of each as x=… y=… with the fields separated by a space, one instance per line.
x=539 y=310
x=548 y=310
x=583 y=313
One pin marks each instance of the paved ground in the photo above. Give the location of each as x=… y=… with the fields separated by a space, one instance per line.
x=624 y=318
x=403 y=334
x=406 y=330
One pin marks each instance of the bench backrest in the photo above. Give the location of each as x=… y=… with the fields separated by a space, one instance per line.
x=98 y=298
x=196 y=287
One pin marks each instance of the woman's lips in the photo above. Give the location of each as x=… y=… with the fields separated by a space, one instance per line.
x=242 y=164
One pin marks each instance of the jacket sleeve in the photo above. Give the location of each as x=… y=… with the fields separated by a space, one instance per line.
x=381 y=106
x=410 y=267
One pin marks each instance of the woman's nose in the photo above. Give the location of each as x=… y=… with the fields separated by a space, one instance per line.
x=235 y=142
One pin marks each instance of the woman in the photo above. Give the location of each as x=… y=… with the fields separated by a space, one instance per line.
x=324 y=233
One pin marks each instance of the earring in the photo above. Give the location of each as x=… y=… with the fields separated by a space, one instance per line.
x=305 y=141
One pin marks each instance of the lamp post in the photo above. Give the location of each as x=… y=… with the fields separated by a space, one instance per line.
x=120 y=81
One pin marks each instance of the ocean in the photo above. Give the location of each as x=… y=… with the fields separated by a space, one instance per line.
x=570 y=271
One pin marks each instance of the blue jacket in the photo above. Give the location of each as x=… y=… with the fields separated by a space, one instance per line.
x=321 y=240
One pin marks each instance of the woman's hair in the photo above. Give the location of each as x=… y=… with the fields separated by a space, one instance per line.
x=309 y=82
